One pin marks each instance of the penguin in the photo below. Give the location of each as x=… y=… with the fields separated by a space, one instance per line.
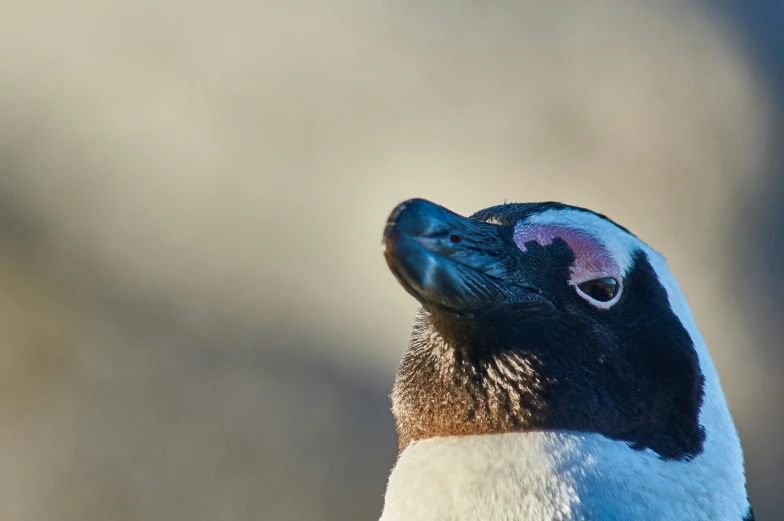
x=554 y=372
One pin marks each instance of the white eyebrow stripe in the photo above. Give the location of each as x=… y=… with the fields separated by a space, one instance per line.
x=619 y=243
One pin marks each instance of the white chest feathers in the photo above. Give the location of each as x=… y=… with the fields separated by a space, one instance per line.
x=549 y=476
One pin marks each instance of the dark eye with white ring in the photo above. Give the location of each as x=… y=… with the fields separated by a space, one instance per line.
x=601 y=290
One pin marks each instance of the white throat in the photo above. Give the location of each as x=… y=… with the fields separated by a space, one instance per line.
x=563 y=476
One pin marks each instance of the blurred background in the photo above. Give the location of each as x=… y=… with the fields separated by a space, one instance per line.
x=196 y=321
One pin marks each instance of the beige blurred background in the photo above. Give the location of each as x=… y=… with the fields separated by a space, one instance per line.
x=196 y=321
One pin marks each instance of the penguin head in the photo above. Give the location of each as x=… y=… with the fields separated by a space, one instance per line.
x=545 y=316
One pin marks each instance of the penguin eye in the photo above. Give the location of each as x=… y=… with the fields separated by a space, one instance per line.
x=602 y=290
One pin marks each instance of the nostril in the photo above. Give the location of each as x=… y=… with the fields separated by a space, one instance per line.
x=455 y=238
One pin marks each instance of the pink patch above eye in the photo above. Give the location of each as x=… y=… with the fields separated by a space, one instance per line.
x=592 y=260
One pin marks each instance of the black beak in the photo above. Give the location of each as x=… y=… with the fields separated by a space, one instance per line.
x=453 y=262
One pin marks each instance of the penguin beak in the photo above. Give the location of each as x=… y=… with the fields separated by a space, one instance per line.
x=449 y=261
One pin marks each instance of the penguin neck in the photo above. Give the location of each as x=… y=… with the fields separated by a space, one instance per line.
x=565 y=476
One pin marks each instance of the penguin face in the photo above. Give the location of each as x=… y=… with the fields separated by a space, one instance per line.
x=542 y=317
